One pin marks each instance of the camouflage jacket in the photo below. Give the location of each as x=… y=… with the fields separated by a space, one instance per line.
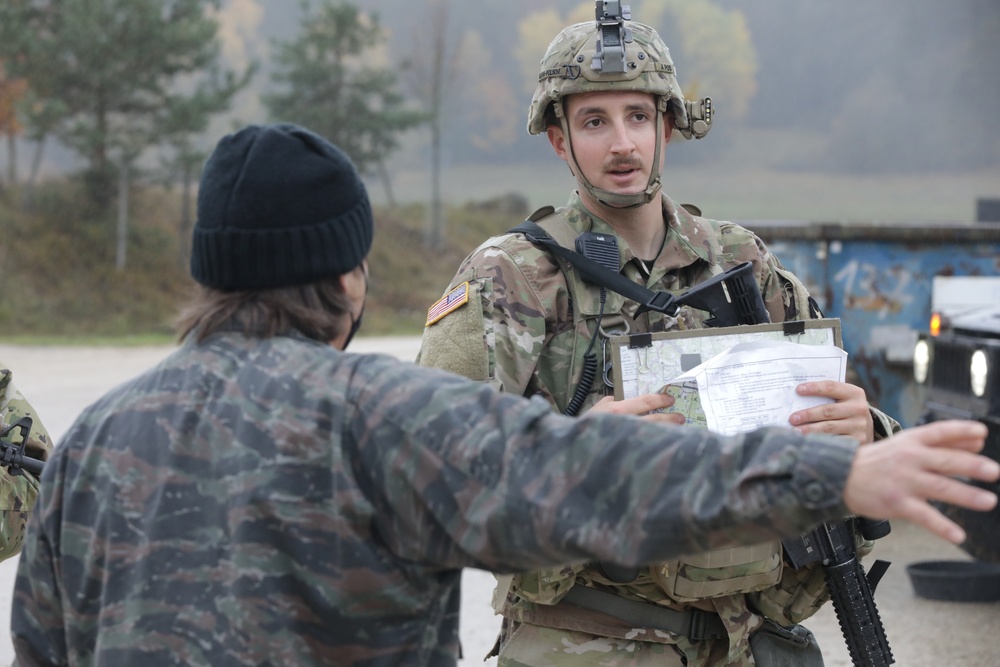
x=17 y=492
x=268 y=502
x=529 y=334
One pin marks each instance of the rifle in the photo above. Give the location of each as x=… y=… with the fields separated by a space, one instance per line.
x=734 y=298
x=730 y=297
x=12 y=456
x=832 y=544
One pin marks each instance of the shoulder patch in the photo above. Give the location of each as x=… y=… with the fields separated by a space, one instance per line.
x=450 y=302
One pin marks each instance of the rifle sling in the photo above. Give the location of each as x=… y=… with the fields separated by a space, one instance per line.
x=594 y=273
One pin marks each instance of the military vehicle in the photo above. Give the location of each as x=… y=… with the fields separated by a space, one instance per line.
x=956 y=363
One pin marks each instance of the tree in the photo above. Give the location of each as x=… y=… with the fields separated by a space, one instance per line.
x=712 y=49
x=184 y=163
x=436 y=71
x=11 y=92
x=116 y=70
x=333 y=88
x=188 y=118
x=534 y=33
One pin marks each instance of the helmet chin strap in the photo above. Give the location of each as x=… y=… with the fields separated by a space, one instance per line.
x=617 y=199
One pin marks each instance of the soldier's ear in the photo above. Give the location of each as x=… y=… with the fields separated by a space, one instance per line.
x=558 y=141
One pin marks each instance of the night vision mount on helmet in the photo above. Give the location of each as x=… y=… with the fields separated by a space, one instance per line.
x=615 y=54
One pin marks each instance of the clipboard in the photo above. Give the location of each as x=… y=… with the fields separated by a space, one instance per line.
x=644 y=363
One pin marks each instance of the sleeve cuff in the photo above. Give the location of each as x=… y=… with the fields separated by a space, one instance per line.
x=819 y=477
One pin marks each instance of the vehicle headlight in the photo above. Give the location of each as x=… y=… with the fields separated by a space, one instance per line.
x=921 y=361
x=978 y=370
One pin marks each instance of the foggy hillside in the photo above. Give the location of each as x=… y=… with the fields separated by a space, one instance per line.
x=893 y=85
x=882 y=88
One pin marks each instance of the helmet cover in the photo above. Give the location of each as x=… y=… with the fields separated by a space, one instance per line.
x=568 y=67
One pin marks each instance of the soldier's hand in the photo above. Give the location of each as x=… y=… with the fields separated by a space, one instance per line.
x=849 y=414
x=896 y=477
x=641 y=406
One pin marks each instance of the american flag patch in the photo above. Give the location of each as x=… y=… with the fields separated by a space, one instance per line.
x=451 y=301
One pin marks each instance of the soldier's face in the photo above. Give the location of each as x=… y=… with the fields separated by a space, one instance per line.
x=613 y=136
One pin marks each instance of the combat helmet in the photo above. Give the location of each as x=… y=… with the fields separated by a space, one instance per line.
x=613 y=53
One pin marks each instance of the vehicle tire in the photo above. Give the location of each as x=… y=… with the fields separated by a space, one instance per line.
x=982 y=529
x=956 y=580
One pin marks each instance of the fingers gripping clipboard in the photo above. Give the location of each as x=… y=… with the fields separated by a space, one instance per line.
x=649 y=363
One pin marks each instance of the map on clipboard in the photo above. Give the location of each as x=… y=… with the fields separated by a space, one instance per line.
x=677 y=362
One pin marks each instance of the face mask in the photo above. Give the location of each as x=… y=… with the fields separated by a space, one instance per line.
x=356 y=324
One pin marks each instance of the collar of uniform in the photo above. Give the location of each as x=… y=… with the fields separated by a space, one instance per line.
x=582 y=220
x=689 y=240
x=688 y=237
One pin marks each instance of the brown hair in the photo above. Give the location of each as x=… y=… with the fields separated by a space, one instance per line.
x=315 y=310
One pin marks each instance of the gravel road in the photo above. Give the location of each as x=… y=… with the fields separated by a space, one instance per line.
x=60 y=382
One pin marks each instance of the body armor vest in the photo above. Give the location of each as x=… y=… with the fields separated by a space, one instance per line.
x=711 y=574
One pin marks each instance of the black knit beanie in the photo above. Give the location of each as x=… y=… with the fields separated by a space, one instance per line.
x=278 y=206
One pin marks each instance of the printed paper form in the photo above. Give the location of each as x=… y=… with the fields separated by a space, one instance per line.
x=752 y=384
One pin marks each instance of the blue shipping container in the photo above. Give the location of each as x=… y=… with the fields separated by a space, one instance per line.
x=877 y=279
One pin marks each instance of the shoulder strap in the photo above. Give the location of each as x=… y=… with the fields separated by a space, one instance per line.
x=594 y=273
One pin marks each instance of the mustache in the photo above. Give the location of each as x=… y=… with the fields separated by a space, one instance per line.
x=623 y=164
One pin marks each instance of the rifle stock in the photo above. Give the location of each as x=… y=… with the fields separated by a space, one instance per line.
x=732 y=298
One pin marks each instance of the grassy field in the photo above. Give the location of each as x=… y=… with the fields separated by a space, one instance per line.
x=762 y=175
x=742 y=193
x=60 y=285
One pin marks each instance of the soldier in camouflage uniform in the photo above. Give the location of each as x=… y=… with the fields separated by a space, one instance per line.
x=524 y=320
x=17 y=492
x=261 y=498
